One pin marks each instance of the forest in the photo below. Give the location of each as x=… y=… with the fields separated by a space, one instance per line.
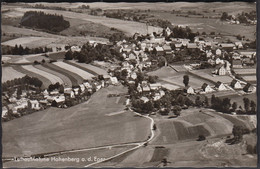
x=47 y=22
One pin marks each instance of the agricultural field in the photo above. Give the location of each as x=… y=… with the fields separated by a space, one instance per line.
x=129 y=27
x=74 y=78
x=87 y=124
x=54 y=79
x=194 y=122
x=90 y=67
x=66 y=81
x=250 y=78
x=45 y=81
x=206 y=74
x=245 y=71
x=8 y=73
x=85 y=75
x=163 y=72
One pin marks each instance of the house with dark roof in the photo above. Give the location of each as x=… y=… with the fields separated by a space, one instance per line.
x=220 y=69
x=249 y=88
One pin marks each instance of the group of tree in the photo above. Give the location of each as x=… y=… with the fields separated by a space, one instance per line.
x=125 y=15
x=238 y=131
x=89 y=53
x=26 y=80
x=56 y=86
x=224 y=105
x=47 y=22
x=8 y=50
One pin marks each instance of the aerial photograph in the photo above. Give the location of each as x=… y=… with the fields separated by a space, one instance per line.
x=161 y=84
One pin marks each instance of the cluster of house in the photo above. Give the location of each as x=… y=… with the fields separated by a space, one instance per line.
x=15 y=104
x=53 y=98
x=219 y=86
x=234 y=20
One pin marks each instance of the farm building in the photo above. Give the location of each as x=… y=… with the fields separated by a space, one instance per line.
x=178 y=46
x=4 y=111
x=249 y=88
x=69 y=93
x=155 y=86
x=220 y=70
x=189 y=90
x=219 y=61
x=235 y=84
x=218 y=52
x=220 y=86
x=35 y=104
x=227 y=46
x=239 y=45
x=144 y=99
x=113 y=80
x=58 y=101
x=192 y=46
x=206 y=88
x=247 y=54
x=236 y=56
x=159 y=51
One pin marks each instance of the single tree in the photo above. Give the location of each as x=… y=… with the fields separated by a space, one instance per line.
x=186 y=80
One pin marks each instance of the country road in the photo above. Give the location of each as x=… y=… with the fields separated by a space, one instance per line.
x=138 y=146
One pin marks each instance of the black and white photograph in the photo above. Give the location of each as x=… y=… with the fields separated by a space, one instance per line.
x=142 y=84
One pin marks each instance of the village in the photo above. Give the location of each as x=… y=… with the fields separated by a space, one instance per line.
x=226 y=59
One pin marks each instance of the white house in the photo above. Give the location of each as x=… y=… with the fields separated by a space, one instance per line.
x=220 y=86
x=189 y=90
x=82 y=87
x=235 y=84
x=113 y=80
x=219 y=61
x=4 y=111
x=218 y=52
x=206 y=88
x=35 y=104
x=144 y=99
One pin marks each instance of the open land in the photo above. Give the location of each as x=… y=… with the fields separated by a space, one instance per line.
x=90 y=130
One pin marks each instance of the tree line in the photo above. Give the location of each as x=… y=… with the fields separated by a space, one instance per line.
x=9 y=50
x=89 y=53
x=48 y=22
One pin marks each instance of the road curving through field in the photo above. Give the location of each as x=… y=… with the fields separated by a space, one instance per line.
x=134 y=148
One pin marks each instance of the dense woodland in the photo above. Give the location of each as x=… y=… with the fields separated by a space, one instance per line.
x=48 y=22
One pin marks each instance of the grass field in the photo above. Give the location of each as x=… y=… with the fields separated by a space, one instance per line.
x=8 y=73
x=239 y=99
x=129 y=27
x=64 y=78
x=31 y=42
x=54 y=79
x=206 y=73
x=90 y=156
x=82 y=126
x=193 y=81
x=85 y=75
x=45 y=82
